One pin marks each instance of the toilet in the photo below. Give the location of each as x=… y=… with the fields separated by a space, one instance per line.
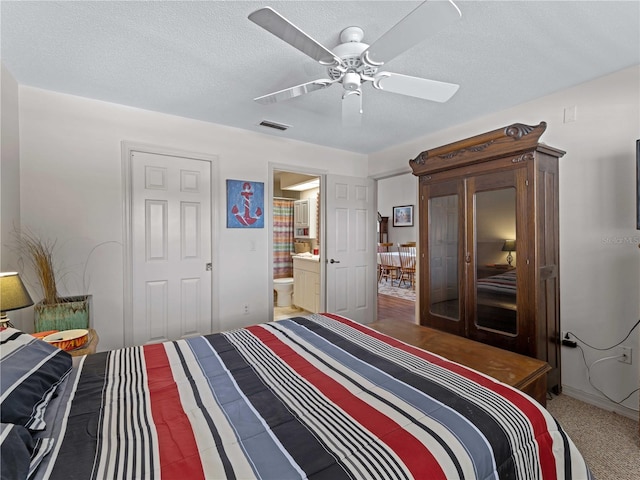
x=284 y=289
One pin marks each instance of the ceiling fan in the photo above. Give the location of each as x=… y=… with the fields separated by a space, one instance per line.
x=353 y=63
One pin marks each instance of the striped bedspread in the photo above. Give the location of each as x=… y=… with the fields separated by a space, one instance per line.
x=503 y=283
x=316 y=397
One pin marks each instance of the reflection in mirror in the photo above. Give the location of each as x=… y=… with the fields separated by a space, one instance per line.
x=443 y=257
x=495 y=230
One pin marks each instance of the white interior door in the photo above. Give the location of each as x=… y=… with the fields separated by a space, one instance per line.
x=171 y=247
x=350 y=248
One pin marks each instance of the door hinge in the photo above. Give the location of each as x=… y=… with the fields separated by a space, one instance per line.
x=209 y=267
x=526 y=182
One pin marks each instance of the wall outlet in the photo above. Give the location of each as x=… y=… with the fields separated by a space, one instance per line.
x=245 y=309
x=626 y=355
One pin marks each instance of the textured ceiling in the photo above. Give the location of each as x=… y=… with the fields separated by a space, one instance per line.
x=205 y=60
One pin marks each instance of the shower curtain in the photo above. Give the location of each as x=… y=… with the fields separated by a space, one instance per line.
x=282 y=238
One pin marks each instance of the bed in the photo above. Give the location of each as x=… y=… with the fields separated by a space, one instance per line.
x=317 y=397
x=496 y=302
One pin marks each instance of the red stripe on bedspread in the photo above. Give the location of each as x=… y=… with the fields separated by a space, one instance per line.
x=179 y=457
x=538 y=422
x=415 y=456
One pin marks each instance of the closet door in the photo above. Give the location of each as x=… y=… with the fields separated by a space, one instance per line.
x=498 y=272
x=442 y=302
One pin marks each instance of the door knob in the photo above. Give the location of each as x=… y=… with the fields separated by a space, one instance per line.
x=208 y=267
x=334 y=261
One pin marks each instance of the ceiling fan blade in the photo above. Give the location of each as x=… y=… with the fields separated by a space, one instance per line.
x=415 y=87
x=425 y=20
x=282 y=28
x=292 y=92
x=352 y=108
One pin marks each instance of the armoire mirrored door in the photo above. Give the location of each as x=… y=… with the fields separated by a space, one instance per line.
x=494 y=238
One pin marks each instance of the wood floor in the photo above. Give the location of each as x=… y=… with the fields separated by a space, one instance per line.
x=394 y=308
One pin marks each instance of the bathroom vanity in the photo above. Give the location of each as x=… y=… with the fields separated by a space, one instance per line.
x=306 y=282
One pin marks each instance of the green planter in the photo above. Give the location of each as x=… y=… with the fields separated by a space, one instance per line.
x=71 y=313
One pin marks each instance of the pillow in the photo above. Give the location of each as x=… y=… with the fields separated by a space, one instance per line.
x=16 y=446
x=20 y=453
x=30 y=371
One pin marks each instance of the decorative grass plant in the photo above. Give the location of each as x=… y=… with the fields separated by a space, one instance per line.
x=39 y=253
x=53 y=312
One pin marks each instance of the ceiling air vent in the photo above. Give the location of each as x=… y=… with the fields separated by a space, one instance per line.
x=277 y=126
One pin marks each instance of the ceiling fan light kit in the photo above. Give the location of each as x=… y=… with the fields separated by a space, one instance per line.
x=353 y=62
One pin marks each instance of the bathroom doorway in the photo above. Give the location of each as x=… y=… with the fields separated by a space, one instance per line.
x=296 y=223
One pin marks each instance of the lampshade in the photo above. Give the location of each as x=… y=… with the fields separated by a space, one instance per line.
x=509 y=246
x=13 y=294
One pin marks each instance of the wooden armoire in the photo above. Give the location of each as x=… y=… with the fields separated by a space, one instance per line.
x=488 y=208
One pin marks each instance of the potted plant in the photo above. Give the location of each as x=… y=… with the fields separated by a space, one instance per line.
x=53 y=312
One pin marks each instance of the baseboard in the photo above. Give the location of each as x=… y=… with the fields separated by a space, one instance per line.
x=600 y=402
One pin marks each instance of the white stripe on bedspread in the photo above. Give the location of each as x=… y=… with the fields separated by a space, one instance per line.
x=128 y=433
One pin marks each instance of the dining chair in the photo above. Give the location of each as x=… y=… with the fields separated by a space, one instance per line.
x=407 y=256
x=388 y=269
x=382 y=247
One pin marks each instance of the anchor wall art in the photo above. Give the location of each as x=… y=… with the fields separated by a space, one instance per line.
x=245 y=204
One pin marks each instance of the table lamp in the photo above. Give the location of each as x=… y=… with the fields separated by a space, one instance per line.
x=509 y=246
x=13 y=295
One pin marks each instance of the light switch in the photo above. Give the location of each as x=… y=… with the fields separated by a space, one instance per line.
x=570 y=114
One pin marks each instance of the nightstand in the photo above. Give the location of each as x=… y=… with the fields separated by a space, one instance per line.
x=89 y=347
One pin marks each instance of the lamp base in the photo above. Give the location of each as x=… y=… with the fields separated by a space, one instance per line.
x=509 y=258
x=4 y=322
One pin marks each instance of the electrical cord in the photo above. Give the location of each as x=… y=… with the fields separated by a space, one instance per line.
x=584 y=359
x=603 y=349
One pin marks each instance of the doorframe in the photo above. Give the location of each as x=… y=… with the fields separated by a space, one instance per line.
x=322 y=174
x=127 y=148
x=416 y=219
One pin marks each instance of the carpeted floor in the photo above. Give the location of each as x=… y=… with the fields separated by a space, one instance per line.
x=403 y=291
x=608 y=441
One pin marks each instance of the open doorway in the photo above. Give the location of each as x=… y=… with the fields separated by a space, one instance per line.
x=397 y=299
x=296 y=222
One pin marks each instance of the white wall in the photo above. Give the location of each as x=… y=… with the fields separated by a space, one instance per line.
x=600 y=259
x=10 y=183
x=71 y=178
x=10 y=164
x=397 y=191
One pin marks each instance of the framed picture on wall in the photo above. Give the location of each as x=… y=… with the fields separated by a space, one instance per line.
x=245 y=204
x=403 y=216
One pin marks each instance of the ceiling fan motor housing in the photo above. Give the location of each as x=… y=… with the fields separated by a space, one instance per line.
x=349 y=53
